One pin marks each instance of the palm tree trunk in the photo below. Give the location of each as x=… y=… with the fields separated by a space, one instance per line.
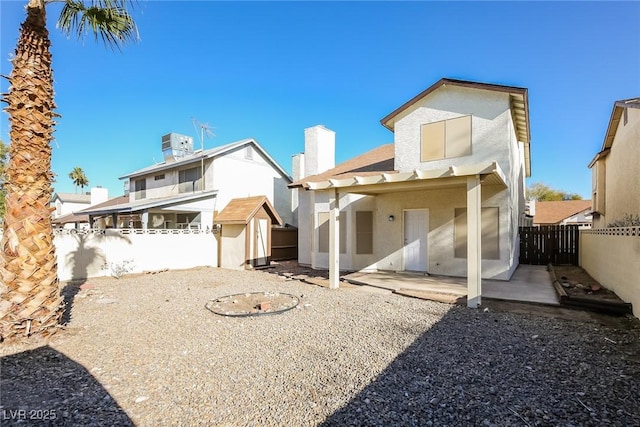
x=30 y=301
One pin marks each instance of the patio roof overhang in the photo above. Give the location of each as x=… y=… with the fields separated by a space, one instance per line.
x=146 y=204
x=419 y=179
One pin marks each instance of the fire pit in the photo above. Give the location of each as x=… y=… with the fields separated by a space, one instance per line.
x=252 y=304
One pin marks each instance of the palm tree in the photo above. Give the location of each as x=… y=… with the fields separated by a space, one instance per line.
x=30 y=301
x=4 y=158
x=79 y=178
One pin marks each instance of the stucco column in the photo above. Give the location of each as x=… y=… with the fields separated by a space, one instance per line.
x=114 y=220
x=144 y=218
x=474 y=244
x=334 y=240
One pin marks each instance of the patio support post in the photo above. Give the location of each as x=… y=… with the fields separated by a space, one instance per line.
x=114 y=220
x=334 y=240
x=144 y=218
x=474 y=244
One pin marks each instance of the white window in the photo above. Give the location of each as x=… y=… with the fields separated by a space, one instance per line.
x=190 y=180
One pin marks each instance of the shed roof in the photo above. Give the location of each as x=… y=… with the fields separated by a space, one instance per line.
x=555 y=212
x=241 y=211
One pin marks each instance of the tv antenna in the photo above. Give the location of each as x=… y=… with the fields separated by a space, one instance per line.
x=205 y=130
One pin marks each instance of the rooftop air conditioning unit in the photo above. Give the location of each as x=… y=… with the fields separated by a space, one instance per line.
x=176 y=146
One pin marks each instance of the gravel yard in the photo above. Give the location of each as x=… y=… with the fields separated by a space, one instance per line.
x=143 y=350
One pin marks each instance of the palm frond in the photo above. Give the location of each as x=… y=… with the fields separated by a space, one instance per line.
x=108 y=20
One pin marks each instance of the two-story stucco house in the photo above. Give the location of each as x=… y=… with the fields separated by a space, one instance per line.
x=190 y=186
x=615 y=171
x=445 y=198
x=65 y=204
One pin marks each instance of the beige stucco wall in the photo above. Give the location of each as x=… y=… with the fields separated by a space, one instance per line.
x=622 y=172
x=388 y=239
x=612 y=257
x=100 y=254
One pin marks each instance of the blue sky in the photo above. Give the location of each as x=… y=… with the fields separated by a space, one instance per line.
x=268 y=70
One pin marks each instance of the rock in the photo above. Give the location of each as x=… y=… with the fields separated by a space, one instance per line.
x=140 y=399
x=107 y=301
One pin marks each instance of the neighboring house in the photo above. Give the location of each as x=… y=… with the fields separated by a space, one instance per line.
x=565 y=212
x=189 y=187
x=615 y=171
x=445 y=198
x=66 y=204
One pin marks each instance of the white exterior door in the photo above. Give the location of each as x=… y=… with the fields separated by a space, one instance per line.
x=416 y=230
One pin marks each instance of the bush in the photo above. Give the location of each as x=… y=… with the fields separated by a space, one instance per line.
x=627 y=220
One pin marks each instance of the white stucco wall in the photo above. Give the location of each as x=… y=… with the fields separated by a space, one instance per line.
x=101 y=254
x=305 y=226
x=235 y=176
x=68 y=207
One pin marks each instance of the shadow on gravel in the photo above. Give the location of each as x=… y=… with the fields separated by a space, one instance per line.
x=44 y=387
x=87 y=255
x=490 y=368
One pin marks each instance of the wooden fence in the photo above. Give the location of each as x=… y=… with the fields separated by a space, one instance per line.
x=555 y=244
x=284 y=243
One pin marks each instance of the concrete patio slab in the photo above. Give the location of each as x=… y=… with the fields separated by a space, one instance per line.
x=529 y=283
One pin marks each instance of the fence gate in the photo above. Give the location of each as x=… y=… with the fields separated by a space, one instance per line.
x=555 y=244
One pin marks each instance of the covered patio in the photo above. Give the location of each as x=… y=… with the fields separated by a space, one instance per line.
x=471 y=178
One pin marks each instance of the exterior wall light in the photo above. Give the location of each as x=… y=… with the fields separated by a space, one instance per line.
x=391 y=218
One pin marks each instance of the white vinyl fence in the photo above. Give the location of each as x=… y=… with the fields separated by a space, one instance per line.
x=95 y=253
x=612 y=257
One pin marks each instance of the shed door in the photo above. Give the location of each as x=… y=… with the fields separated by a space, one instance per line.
x=262 y=231
x=416 y=229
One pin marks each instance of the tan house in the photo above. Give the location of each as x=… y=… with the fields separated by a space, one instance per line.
x=563 y=212
x=446 y=197
x=615 y=170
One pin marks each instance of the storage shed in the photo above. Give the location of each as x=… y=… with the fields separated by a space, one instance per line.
x=245 y=234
